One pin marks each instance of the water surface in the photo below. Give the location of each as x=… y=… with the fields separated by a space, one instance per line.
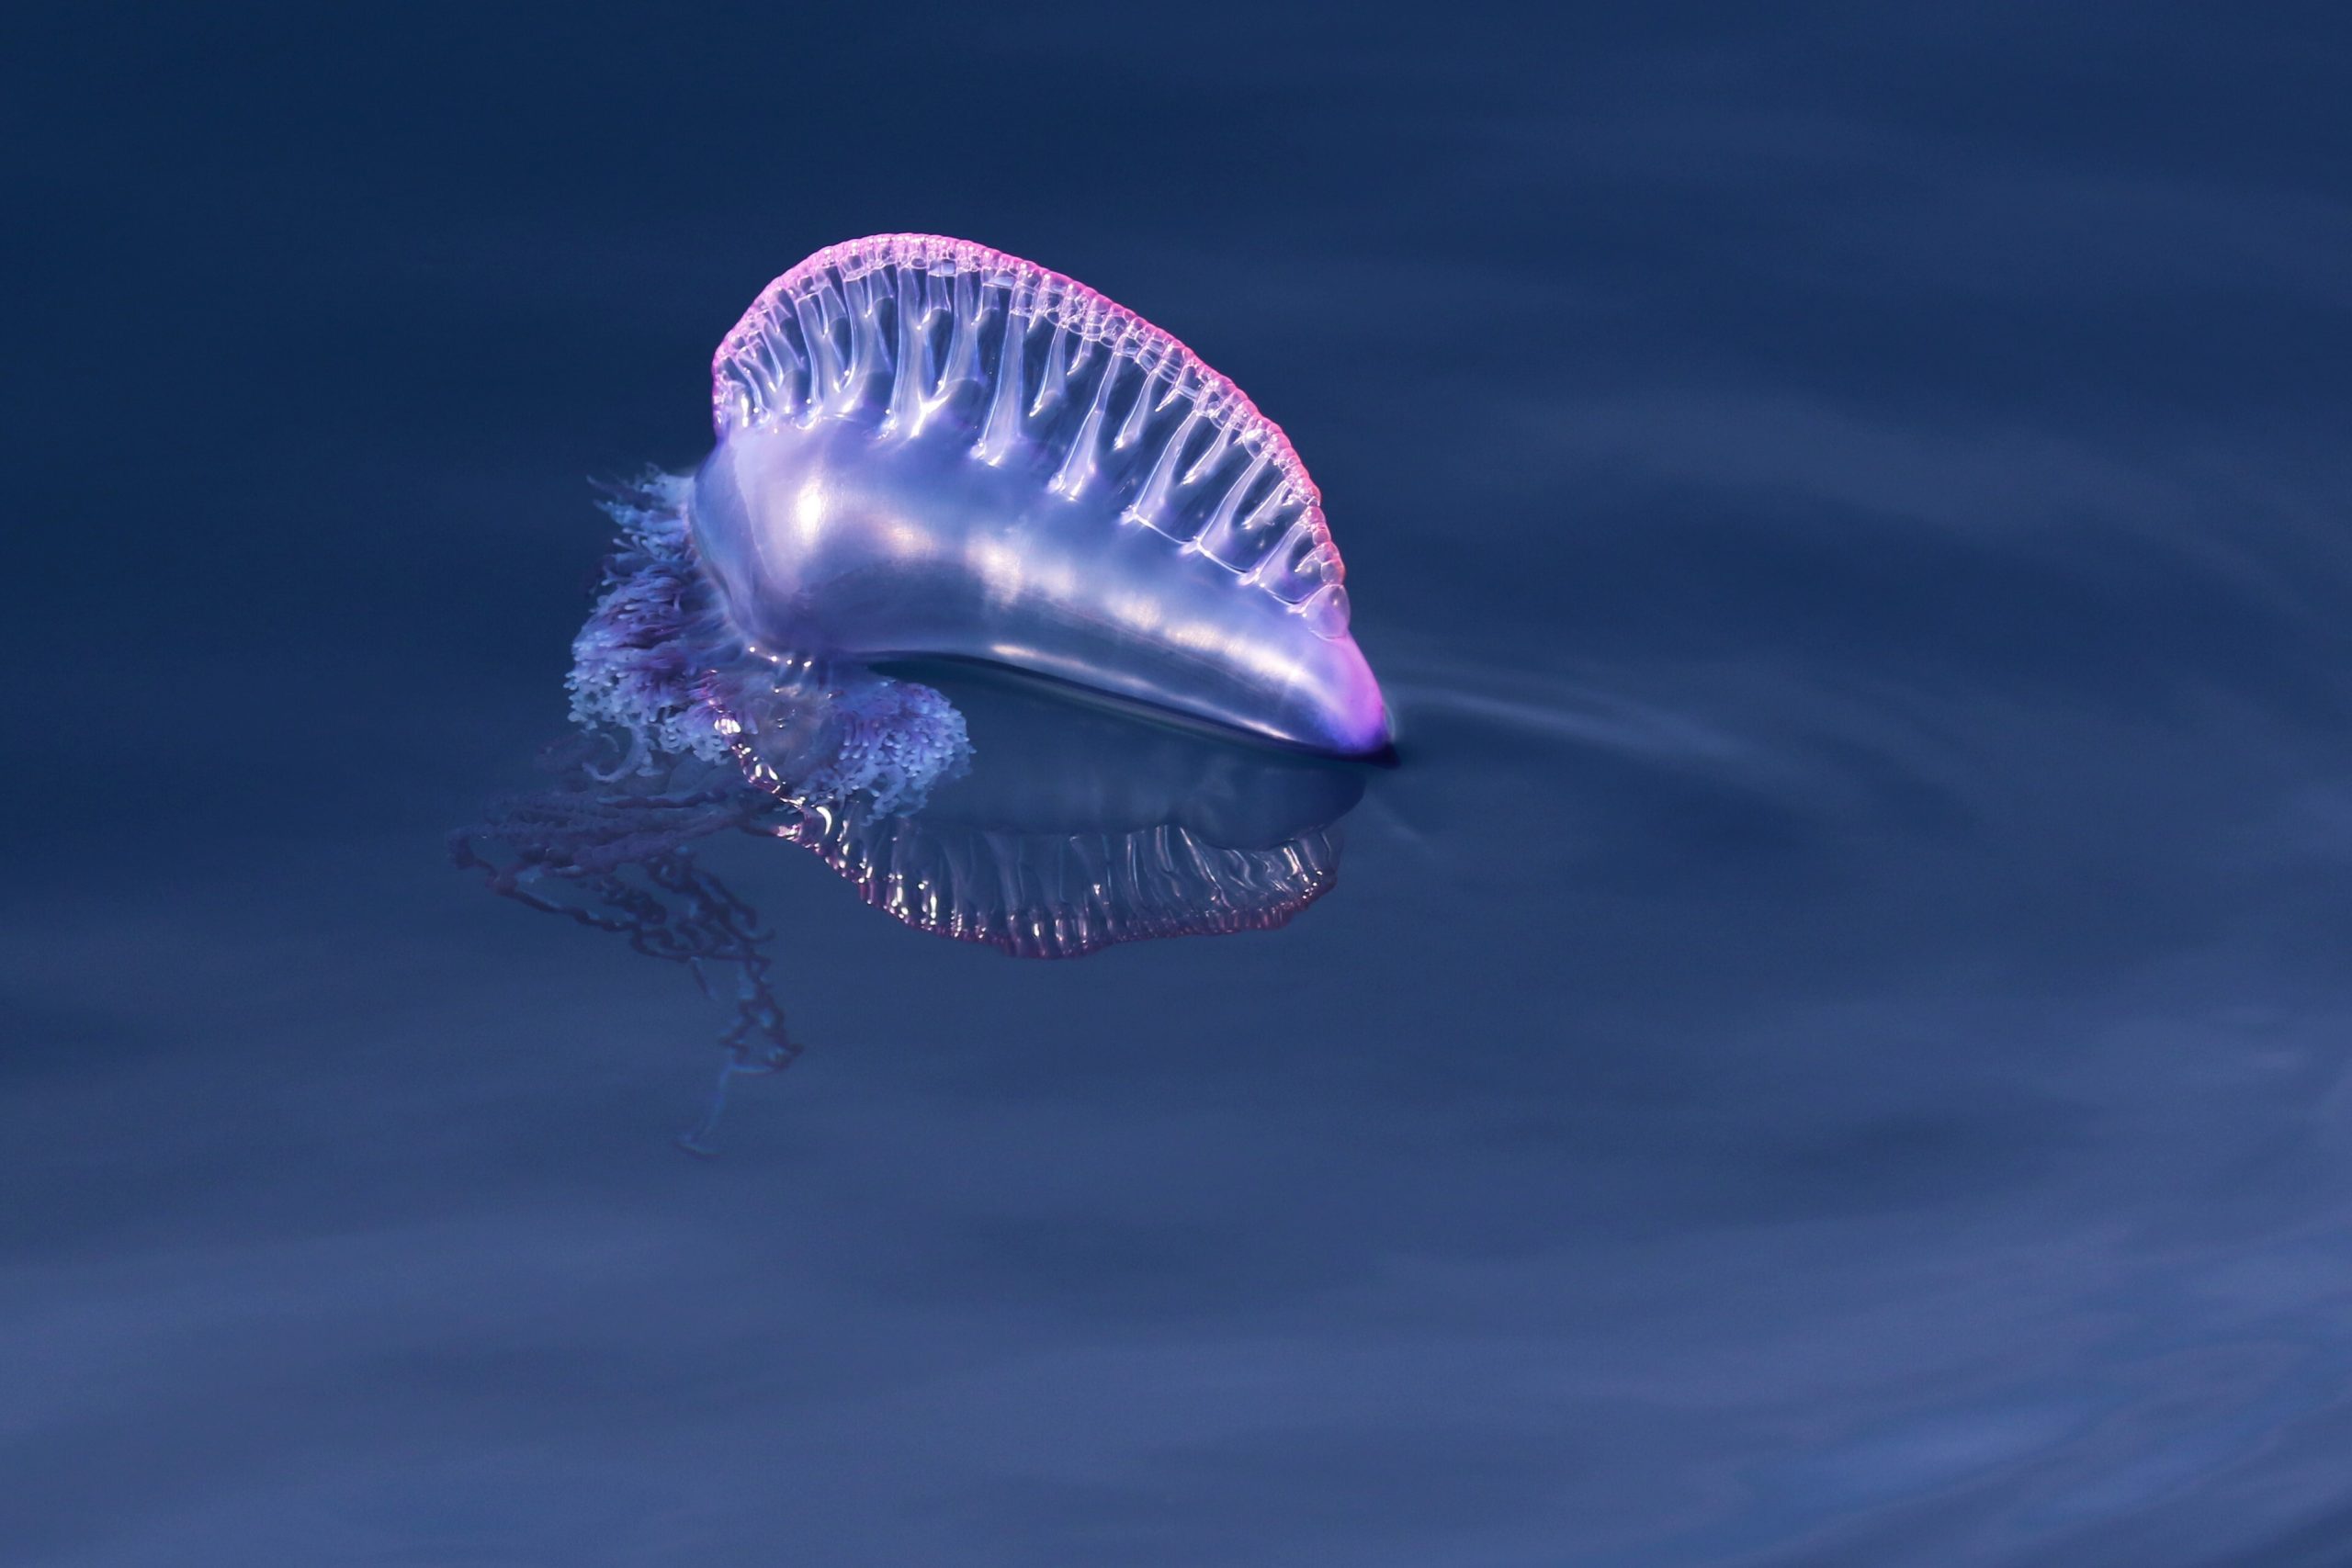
x=1830 y=1048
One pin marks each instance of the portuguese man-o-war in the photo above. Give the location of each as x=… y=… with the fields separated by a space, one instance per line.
x=934 y=459
x=926 y=447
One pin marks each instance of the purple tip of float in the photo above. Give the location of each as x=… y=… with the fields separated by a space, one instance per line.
x=928 y=447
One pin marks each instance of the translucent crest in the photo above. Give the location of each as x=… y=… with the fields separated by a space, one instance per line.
x=922 y=335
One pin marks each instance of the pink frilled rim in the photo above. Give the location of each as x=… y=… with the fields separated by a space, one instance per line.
x=1063 y=930
x=1038 y=292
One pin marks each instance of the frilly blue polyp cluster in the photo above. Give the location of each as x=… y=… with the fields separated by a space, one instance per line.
x=659 y=666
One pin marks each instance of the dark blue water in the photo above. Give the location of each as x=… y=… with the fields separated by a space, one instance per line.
x=1832 y=1048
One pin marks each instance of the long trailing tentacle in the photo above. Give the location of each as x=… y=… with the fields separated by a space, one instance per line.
x=621 y=859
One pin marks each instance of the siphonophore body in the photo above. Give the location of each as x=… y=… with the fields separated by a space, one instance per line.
x=929 y=448
x=933 y=457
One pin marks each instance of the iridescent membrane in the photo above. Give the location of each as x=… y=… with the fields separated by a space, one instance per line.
x=929 y=448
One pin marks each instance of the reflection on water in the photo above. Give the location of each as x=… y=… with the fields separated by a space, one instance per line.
x=1047 y=825
x=1077 y=825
